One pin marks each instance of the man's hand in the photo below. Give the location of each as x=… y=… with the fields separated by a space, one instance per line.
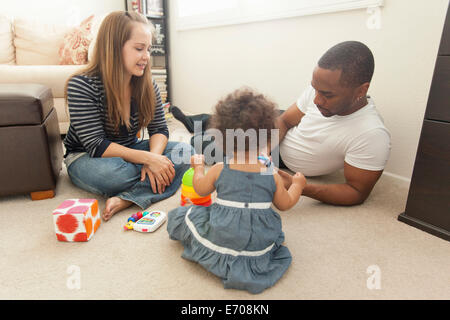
x=357 y=187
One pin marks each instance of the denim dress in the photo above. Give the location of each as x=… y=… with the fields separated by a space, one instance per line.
x=239 y=237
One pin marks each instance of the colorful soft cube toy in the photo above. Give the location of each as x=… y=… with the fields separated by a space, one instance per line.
x=76 y=220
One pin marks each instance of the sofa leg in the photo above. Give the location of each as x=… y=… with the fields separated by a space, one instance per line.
x=41 y=195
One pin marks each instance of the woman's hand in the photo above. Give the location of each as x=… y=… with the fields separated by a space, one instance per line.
x=160 y=171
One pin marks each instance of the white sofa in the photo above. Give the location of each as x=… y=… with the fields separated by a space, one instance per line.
x=29 y=54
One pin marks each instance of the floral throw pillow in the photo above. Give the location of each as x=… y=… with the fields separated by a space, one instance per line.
x=74 y=48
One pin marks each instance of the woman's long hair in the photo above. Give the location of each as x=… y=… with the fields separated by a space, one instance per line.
x=107 y=61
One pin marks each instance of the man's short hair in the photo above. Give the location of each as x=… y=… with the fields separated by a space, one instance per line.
x=354 y=59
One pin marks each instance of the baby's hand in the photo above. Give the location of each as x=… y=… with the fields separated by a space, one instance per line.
x=299 y=178
x=197 y=160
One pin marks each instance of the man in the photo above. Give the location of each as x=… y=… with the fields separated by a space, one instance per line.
x=335 y=125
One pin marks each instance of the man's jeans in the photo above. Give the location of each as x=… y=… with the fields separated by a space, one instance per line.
x=116 y=177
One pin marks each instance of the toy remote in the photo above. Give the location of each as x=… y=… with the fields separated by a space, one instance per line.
x=150 y=222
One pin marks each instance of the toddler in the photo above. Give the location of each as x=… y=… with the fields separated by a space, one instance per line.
x=239 y=237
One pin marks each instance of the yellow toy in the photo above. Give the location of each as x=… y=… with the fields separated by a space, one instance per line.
x=129 y=225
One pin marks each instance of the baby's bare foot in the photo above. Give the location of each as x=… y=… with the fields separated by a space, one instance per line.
x=114 y=205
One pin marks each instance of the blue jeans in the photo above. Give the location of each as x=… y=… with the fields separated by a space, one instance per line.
x=115 y=177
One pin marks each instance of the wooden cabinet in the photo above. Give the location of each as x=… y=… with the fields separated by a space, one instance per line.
x=438 y=107
x=428 y=204
x=444 y=47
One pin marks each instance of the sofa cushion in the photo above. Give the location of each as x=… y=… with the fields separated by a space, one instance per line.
x=6 y=41
x=74 y=49
x=53 y=76
x=37 y=43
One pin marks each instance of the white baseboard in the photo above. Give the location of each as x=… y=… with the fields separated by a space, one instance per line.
x=408 y=180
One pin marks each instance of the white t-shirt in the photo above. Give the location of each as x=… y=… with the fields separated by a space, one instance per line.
x=319 y=145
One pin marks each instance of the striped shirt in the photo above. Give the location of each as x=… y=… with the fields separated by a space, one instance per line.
x=89 y=130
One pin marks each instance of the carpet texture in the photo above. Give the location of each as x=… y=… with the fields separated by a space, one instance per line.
x=334 y=249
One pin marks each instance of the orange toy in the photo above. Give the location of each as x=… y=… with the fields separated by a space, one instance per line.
x=188 y=194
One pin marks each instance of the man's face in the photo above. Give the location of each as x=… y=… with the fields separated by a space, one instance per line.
x=331 y=97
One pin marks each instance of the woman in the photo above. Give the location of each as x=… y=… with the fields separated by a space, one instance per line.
x=109 y=102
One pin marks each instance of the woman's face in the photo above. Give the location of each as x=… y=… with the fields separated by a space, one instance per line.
x=136 y=51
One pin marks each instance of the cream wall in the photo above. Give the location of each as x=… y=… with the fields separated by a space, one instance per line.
x=59 y=11
x=277 y=58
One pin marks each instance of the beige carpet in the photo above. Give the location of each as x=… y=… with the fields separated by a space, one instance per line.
x=332 y=249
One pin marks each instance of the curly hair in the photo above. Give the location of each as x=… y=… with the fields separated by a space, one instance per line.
x=247 y=110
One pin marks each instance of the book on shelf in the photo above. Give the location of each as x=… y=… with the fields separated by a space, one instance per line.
x=159 y=71
x=154 y=8
x=160 y=78
x=158 y=62
x=158 y=75
x=158 y=47
x=162 y=87
x=136 y=5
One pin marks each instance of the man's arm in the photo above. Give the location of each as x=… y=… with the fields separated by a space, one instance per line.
x=288 y=119
x=357 y=187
